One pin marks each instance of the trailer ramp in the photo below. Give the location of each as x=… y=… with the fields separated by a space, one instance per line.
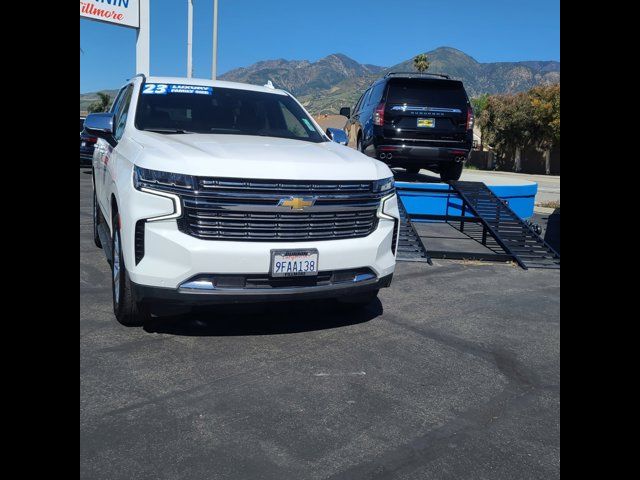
x=410 y=245
x=516 y=237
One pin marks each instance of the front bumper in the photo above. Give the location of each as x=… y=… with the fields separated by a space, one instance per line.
x=172 y=257
x=184 y=296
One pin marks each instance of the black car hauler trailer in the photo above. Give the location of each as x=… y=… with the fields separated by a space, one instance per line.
x=485 y=218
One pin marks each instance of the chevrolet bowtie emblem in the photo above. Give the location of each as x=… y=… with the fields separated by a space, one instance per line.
x=297 y=203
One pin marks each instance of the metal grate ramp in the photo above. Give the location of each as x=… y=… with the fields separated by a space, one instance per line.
x=513 y=235
x=410 y=246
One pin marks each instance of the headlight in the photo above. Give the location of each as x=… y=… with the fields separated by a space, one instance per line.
x=154 y=179
x=383 y=185
x=163 y=184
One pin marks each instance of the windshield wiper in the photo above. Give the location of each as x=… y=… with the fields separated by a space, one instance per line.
x=167 y=130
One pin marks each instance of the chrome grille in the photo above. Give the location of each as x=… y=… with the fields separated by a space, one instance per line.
x=286 y=186
x=277 y=226
x=232 y=209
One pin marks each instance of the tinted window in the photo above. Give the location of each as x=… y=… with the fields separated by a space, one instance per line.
x=81 y=124
x=121 y=114
x=428 y=93
x=116 y=102
x=376 y=94
x=365 y=99
x=226 y=111
x=357 y=105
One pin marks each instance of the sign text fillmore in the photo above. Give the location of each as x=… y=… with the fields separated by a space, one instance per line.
x=119 y=12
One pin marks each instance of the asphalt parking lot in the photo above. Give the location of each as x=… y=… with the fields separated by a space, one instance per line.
x=453 y=374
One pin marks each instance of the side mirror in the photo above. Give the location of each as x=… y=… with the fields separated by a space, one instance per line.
x=345 y=112
x=99 y=124
x=337 y=135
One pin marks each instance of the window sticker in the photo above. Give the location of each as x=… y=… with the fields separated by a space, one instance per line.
x=308 y=124
x=155 y=88
x=164 y=89
x=190 y=89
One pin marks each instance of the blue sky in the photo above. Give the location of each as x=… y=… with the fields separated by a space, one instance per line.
x=369 y=31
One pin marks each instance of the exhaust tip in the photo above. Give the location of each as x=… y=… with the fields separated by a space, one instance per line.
x=389 y=156
x=383 y=156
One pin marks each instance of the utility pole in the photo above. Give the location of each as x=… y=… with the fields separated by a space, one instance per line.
x=214 y=66
x=189 y=38
x=142 y=39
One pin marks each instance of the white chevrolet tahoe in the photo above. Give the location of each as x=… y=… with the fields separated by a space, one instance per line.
x=210 y=191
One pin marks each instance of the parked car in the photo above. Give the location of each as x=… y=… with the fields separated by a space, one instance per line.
x=414 y=121
x=211 y=191
x=87 y=143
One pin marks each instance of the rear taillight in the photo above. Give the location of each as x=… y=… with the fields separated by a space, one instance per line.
x=378 y=115
x=469 y=118
x=90 y=139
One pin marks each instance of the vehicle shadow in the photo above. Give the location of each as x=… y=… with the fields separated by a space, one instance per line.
x=263 y=319
x=402 y=176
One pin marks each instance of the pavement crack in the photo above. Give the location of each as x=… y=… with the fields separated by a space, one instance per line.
x=504 y=360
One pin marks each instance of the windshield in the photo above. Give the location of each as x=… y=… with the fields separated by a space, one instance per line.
x=194 y=109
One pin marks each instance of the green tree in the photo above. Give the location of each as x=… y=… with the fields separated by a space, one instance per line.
x=479 y=104
x=101 y=105
x=512 y=123
x=506 y=119
x=545 y=106
x=421 y=63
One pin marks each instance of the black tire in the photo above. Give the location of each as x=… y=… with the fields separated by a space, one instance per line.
x=450 y=171
x=413 y=170
x=358 y=300
x=125 y=307
x=96 y=220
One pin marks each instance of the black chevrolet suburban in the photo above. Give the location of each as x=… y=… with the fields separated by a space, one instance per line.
x=414 y=121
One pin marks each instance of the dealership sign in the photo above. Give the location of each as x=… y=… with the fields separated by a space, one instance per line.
x=121 y=12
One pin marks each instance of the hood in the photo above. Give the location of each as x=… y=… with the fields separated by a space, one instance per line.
x=241 y=156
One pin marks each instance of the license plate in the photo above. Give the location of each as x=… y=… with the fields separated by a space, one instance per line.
x=426 y=122
x=294 y=263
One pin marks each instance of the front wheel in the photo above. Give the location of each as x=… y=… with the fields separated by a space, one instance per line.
x=125 y=307
x=450 y=171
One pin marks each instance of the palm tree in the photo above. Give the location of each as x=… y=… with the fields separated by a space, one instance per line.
x=100 y=105
x=420 y=62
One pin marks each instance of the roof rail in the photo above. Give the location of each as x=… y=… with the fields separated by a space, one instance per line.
x=442 y=75
x=144 y=78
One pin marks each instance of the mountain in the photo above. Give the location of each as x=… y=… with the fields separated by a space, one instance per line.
x=302 y=77
x=479 y=78
x=337 y=80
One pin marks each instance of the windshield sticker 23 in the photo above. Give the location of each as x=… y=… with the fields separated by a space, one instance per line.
x=164 y=88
